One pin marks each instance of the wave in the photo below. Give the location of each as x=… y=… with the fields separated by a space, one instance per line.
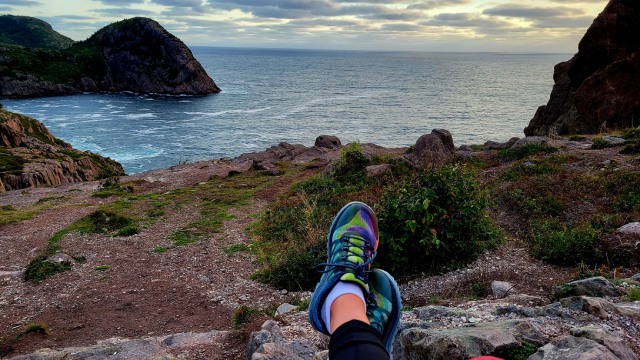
x=139 y=116
x=235 y=111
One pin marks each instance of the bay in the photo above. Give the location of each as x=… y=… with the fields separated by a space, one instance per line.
x=274 y=95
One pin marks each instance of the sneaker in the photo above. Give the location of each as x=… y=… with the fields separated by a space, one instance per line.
x=384 y=305
x=351 y=246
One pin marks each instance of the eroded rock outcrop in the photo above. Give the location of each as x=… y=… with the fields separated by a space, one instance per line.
x=30 y=156
x=600 y=86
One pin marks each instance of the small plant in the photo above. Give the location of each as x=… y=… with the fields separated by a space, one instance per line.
x=160 y=249
x=521 y=152
x=351 y=165
x=302 y=304
x=577 y=138
x=127 y=231
x=564 y=245
x=34 y=328
x=521 y=352
x=599 y=143
x=40 y=269
x=111 y=186
x=102 y=268
x=634 y=294
x=232 y=249
x=243 y=315
x=183 y=237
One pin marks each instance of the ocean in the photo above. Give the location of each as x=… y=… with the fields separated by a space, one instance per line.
x=274 y=95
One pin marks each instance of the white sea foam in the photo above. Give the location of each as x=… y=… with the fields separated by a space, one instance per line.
x=139 y=116
x=234 y=111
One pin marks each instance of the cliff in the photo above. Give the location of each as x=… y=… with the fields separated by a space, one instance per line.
x=136 y=55
x=31 y=156
x=599 y=87
x=31 y=32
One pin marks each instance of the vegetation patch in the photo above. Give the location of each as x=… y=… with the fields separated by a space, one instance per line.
x=521 y=352
x=9 y=163
x=434 y=221
x=633 y=294
x=521 y=152
x=243 y=315
x=232 y=249
x=40 y=269
x=421 y=216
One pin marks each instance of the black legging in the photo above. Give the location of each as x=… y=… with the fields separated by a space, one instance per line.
x=356 y=340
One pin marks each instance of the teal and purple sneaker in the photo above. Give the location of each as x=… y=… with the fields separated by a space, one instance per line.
x=384 y=305
x=351 y=246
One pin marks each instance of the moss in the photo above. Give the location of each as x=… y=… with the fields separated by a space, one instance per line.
x=9 y=163
x=39 y=269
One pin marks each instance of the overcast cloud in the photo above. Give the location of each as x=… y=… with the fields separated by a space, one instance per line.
x=430 y=25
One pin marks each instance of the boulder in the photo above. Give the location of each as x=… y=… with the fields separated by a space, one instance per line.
x=375 y=170
x=433 y=149
x=501 y=289
x=630 y=229
x=494 y=145
x=531 y=140
x=465 y=342
x=328 y=141
x=608 y=339
x=600 y=86
x=285 y=308
x=594 y=286
x=573 y=348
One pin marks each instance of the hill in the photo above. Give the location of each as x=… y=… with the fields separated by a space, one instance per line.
x=31 y=33
x=136 y=55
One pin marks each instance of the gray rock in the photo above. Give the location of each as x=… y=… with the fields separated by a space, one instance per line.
x=630 y=229
x=432 y=312
x=257 y=339
x=501 y=289
x=328 y=141
x=494 y=145
x=572 y=348
x=446 y=138
x=531 y=140
x=636 y=277
x=608 y=339
x=60 y=258
x=552 y=310
x=432 y=149
x=375 y=170
x=465 y=342
x=321 y=355
x=613 y=140
x=285 y=308
x=465 y=148
x=595 y=286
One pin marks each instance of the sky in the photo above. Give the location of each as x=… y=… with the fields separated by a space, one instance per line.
x=540 y=26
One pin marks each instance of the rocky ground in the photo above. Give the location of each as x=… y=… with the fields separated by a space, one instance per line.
x=181 y=303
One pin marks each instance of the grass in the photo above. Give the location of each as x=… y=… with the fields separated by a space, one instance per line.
x=232 y=249
x=521 y=152
x=102 y=268
x=633 y=294
x=39 y=269
x=243 y=315
x=9 y=163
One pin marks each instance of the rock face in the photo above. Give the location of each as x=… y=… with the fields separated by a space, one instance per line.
x=31 y=156
x=142 y=56
x=600 y=86
x=136 y=55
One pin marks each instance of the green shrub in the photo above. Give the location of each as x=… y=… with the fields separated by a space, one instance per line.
x=599 y=143
x=351 y=165
x=39 y=269
x=243 y=315
x=521 y=152
x=106 y=222
x=128 y=231
x=564 y=245
x=631 y=134
x=520 y=352
x=434 y=221
x=633 y=294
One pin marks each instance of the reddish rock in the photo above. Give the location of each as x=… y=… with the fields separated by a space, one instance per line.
x=599 y=88
x=30 y=156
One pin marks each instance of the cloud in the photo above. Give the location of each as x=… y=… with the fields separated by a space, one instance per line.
x=27 y=3
x=179 y=3
x=603 y=2
x=564 y=22
x=435 y=4
x=122 y=2
x=401 y=27
x=523 y=11
x=124 y=12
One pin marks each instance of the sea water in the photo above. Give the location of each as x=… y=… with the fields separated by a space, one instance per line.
x=269 y=96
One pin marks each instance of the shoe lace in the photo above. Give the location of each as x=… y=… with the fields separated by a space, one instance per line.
x=349 y=249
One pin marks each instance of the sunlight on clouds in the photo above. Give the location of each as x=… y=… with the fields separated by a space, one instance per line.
x=461 y=25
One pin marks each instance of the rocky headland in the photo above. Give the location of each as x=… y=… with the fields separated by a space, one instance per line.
x=599 y=88
x=30 y=156
x=135 y=55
